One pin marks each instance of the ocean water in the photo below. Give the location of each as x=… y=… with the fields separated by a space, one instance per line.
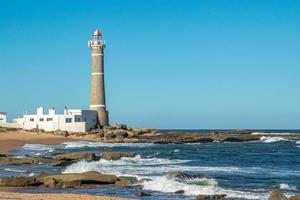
x=249 y=170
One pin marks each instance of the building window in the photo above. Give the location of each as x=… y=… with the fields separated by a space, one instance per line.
x=1 y=119
x=68 y=120
x=31 y=119
x=49 y=119
x=77 y=119
x=41 y=119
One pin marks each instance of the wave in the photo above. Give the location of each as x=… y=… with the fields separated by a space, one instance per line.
x=285 y=186
x=298 y=142
x=267 y=139
x=203 y=186
x=39 y=147
x=81 y=144
x=274 y=133
x=14 y=170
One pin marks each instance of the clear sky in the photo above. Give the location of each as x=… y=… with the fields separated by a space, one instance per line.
x=169 y=64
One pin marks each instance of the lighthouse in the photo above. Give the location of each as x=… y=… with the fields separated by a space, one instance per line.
x=97 y=98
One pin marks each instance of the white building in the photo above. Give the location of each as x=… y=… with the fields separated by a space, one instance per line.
x=73 y=120
x=3 y=117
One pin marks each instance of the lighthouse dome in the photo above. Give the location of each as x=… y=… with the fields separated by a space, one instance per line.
x=97 y=33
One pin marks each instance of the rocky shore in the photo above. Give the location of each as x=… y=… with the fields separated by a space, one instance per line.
x=119 y=133
x=113 y=134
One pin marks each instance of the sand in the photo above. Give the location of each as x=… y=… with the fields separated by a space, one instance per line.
x=24 y=196
x=15 y=139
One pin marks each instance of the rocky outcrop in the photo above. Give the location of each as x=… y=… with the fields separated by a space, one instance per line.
x=296 y=197
x=116 y=155
x=58 y=160
x=76 y=156
x=276 y=195
x=179 y=192
x=25 y=160
x=125 y=181
x=76 y=179
x=19 y=181
x=211 y=197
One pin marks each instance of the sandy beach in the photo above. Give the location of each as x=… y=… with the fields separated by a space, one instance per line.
x=15 y=139
x=22 y=196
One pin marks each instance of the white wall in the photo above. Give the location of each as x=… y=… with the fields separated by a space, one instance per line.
x=71 y=120
x=2 y=118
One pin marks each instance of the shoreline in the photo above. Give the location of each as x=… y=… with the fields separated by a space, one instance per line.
x=6 y=194
x=12 y=140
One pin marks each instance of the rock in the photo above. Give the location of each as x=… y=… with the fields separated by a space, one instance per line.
x=183 y=176
x=233 y=139
x=125 y=181
x=76 y=179
x=119 y=126
x=179 y=192
x=19 y=181
x=143 y=180
x=76 y=156
x=296 y=197
x=62 y=163
x=3 y=156
x=24 y=160
x=142 y=194
x=116 y=155
x=109 y=136
x=276 y=195
x=211 y=197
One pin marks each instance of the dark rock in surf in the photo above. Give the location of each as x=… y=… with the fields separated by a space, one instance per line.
x=179 y=192
x=117 y=155
x=125 y=181
x=211 y=197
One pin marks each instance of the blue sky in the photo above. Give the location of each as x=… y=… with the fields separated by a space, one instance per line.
x=169 y=64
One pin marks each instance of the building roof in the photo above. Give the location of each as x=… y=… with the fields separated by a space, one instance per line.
x=97 y=33
x=3 y=113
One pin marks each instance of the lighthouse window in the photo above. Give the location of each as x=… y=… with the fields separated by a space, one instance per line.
x=41 y=119
x=68 y=120
x=49 y=119
x=31 y=119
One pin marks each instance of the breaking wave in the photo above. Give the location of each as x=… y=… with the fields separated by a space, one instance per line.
x=263 y=133
x=156 y=168
x=285 y=186
x=14 y=170
x=39 y=147
x=198 y=186
x=267 y=139
x=80 y=144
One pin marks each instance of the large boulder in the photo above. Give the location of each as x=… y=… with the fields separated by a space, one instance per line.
x=276 y=195
x=76 y=179
x=25 y=160
x=296 y=197
x=76 y=156
x=125 y=181
x=119 y=126
x=19 y=181
x=211 y=197
x=116 y=155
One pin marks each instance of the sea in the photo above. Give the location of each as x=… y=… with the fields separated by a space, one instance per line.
x=247 y=170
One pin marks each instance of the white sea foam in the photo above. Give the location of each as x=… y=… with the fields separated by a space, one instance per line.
x=146 y=167
x=267 y=139
x=14 y=170
x=263 y=133
x=80 y=144
x=32 y=174
x=285 y=186
x=39 y=147
x=204 y=186
x=298 y=142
